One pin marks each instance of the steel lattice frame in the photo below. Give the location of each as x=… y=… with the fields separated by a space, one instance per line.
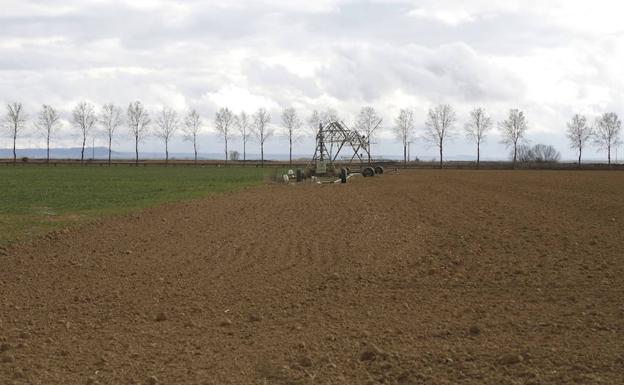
x=337 y=135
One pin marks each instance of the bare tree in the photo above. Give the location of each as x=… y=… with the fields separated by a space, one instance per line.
x=329 y=115
x=224 y=119
x=514 y=128
x=540 y=153
x=477 y=128
x=292 y=124
x=314 y=121
x=607 y=132
x=138 y=123
x=545 y=153
x=47 y=123
x=439 y=127
x=243 y=124
x=234 y=155
x=110 y=119
x=404 y=129
x=262 y=130
x=192 y=127
x=15 y=120
x=317 y=118
x=579 y=132
x=83 y=118
x=167 y=124
x=367 y=123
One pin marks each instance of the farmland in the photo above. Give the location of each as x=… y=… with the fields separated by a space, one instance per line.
x=36 y=199
x=423 y=277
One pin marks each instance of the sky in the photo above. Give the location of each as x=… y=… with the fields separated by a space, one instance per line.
x=550 y=59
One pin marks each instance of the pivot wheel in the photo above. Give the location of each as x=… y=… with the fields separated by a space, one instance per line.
x=379 y=170
x=368 y=171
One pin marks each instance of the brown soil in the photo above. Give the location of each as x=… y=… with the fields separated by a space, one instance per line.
x=428 y=277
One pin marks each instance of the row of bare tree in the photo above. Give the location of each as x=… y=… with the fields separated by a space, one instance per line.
x=440 y=126
x=441 y=121
x=165 y=126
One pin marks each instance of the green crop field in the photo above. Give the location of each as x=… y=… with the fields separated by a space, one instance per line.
x=37 y=199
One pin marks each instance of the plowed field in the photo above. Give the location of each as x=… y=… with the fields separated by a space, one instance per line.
x=426 y=277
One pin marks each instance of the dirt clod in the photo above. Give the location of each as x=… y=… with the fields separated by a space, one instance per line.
x=368 y=355
x=7 y=358
x=510 y=359
x=160 y=317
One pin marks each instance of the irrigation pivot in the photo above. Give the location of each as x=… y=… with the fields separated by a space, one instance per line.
x=334 y=138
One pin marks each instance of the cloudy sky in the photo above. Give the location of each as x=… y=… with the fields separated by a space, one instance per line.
x=548 y=58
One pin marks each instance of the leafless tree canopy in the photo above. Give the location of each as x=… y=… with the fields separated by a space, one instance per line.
x=314 y=121
x=540 y=153
x=224 y=120
x=110 y=120
x=513 y=130
x=15 y=122
x=192 y=128
x=607 y=132
x=579 y=132
x=167 y=123
x=543 y=153
x=292 y=125
x=329 y=115
x=243 y=124
x=367 y=123
x=138 y=123
x=47 y=123
x=261 y=129
x=404 y=129
x=317 y=118
x=439 y=127
x=477 y=127
x=83 y=118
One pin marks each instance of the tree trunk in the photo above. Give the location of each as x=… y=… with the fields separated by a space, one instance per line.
x=48 y=149
x=290 y=151
x=226 y=152
x=404 y=155
x=261 y=154
x=478 y=155
x=369 y=149
x=166 y=153
x=244 y=150
x=609 y=154
x=580 y=152
x=110 y=140
x=515 y=155
x=84 y=141
x=136 y=150
x=441 y=160
x=14 y=152
x=195 y=149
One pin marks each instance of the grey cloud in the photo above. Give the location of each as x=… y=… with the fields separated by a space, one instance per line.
x=363 y=51
x=454 y=72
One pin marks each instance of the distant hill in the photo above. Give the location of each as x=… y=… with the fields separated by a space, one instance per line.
x=102 y=153
x=93 y=153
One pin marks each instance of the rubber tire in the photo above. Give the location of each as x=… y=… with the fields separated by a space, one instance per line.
x=368 y=171
x=379 y=170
